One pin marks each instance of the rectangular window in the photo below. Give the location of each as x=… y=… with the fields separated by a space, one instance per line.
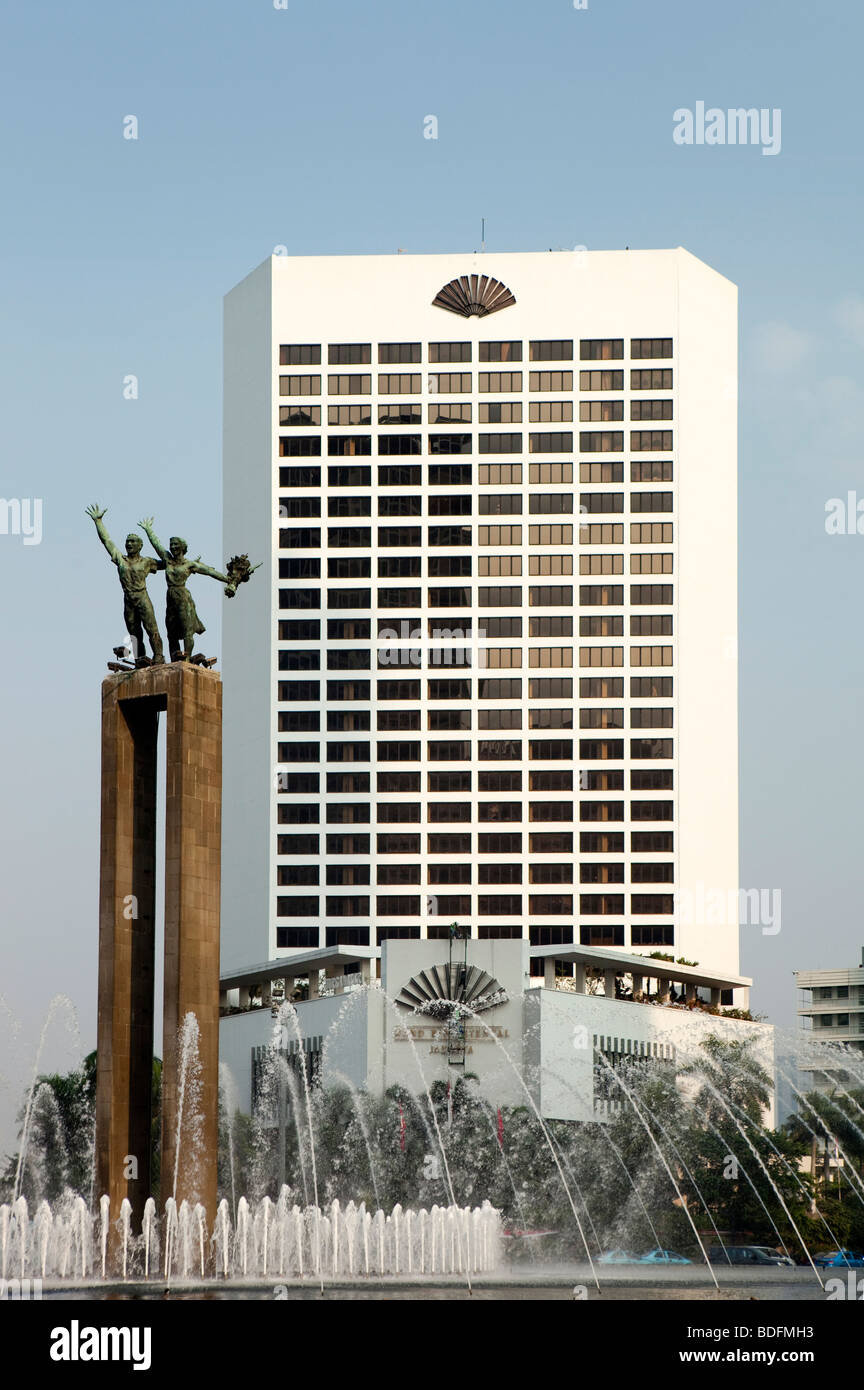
x=354 y=384
x=302 y=447
x=601 y=472
x=299 y=598
x=449 y=413
x=300 y=386
x=300 y=415
x=550 y=412
x=651 y=564
x=449 y=689
x=601 y=349
x=650 y=439
x=651 y=410
x=449 y=383
x=553 y=503
x=348 y=690
x=609 y=380
x=399 y=475
x=450 y=444
x=449 y=352
x=499 y=382
x=601 y=564
x=500 y=688
x=449 y=535
x=592 y=411
x=348 y=445
x=554 y=534
x=651 y=625
x=651 y=378
x=601 y=441
x=555 y=625
x=396 y=413
x=349 y=354
x=651 y=656
x=308 y=476
x=551 y=442
x=499 y=473
x=350 y=537
x=501 y=596
x=399 y=383
x=399 y=566
x=297 y=844
x=651 y=501
x=503 y=413
x=550 y=350
x=398 y=444
x=450 y=474
x=499 y=535
x=348 y=505
x=601 y=656
x=650 y=347
x=500 y=352
x=398 y=354
x=499 y=443
x=300 y=355
x=551 y=564
x=458 y=843
x=651 y=471
x=401 y=536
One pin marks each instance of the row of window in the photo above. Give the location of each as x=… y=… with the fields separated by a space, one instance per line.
x=453 y=812
x=410 y=567
x=494 y=658
x=549 y=780
x=360 y=537
x=348 y=875
x=453 y=412
x=488 y=688
x=539 y=596
x=296 y=938
x=487 y=504
x=539 y=442
x=444 y=474
x=456 y=628
x=456 y=750
x=488 y=842
x=488 y=905
x=542 y=717
x=444 y=383
x=539 y=350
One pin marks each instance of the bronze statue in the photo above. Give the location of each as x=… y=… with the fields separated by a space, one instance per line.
x=181 y=617
x=133 y=569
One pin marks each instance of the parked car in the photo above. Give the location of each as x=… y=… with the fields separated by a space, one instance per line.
x=617 y=1257
x=839 y=1259
x=747 y=1255
x=663 y=1257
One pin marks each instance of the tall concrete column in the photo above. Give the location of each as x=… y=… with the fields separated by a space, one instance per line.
x=193 y=842
x=131 y=702
x=127 y=899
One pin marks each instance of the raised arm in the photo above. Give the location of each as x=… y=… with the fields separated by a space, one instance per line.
x=198 y=568
x=96 y=514
x=147 y=527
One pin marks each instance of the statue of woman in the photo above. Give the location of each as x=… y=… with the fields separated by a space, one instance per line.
x=181 y=617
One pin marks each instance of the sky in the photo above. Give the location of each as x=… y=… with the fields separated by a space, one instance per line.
x=303 y=127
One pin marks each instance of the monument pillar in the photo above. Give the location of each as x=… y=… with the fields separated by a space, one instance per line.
x=191 y=698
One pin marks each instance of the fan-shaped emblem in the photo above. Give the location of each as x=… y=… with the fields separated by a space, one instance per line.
x=474 y=294
x=442 y=988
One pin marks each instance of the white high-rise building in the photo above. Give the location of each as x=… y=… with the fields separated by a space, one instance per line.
x=487 y=670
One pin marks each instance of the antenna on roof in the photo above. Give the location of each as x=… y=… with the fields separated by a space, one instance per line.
x=482 y=233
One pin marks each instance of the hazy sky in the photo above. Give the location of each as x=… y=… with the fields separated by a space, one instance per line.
x=303 y=127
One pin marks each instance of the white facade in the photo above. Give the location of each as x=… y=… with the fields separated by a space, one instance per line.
x=648 y=843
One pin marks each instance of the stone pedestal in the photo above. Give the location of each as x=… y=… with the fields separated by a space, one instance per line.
x=191 y=699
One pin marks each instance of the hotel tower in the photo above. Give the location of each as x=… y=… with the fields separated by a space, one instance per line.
x=487 y=671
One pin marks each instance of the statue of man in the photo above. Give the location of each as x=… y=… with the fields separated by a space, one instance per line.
x=133 y=569
x=181 y=617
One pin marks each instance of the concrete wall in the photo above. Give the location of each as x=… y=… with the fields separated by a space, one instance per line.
x=566 y=1028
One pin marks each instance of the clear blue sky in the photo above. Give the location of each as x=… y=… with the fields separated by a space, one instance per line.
x=303 y=127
